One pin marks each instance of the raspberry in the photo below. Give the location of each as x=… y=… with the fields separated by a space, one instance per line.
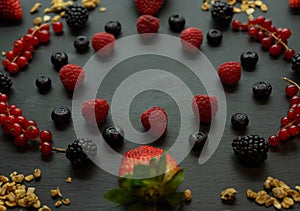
x=294 y=4
x=155 y=120
x=72 y=76
x=11 y=10
x=191 y=39
x=102 y=39
x=205 y=107
x=230 y=73
x=147 y=24
x=95 y=110
x=148 y=7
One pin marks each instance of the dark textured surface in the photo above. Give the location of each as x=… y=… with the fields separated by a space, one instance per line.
x=206 y=181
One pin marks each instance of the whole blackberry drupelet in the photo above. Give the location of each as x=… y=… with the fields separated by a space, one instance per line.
x=76 y=16
x=251 y=150
x=5 y=82
x=80 y=151
x=296 y=63
x=222 y=12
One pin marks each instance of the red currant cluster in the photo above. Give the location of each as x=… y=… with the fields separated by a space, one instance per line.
x=15 y=124
x=18 y=58
x=270 y=37
x=290 y=124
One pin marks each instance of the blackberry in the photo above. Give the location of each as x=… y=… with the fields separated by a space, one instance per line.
x=262 y=89
x=81 y=43
x=176 y=23
x=239 y=121
x=113 y=27
x=214 y=37
x=251 y=150
x=76 y=16
x=296 y=62
x=43 y=83
x=113 y=136
x=59 y=59
x=222 y=13
x=249 y=59
x=61 y=115
x=197 y=140
x=5 y=83
x=80 y=152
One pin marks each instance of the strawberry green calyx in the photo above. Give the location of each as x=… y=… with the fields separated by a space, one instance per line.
x=149 y=185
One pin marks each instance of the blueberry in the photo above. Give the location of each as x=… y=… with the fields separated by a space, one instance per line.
x=113 y=27
x=61 y=115
x=296 y=63
x=262 y=89
x=176 y=23
x=214 y=37
x=113 y=136
x=43 y=83
x=59 y=59
x=197 y=140
x=81 y=43
x=249 y=59
x=239 y=121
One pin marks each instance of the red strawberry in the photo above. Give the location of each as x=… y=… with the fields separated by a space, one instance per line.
x=230 y=73
x=102 y=39
x=148 y=7
x=147 y=175
x=95 y=110
x=71 y=76
x=155 y=119
x=205 y=107
x=11 y=10
x=147 y=24
x=191 y=39
x=294 y=4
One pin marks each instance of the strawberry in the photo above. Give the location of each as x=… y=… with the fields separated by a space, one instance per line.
x=11 y=10
x=95 y=110
x=191 y=39
x=205 y=107
x=147 y=176
x=155 y=120
x=230 y=73
x=147 y=24
x=71 y=76
x=101 y=40
x=294 y=4
x=148 y=7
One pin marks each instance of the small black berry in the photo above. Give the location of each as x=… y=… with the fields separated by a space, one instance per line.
x=239 y=121
x=61 y=115
x=81 y=43
x=43 y=83
x=249 y=60
x=214 y=37
x=80 y=152
x=176 y=23
x=59 y=59
x=76 y=16
x=295 y=62
x=222 y=13
x=197 y=140
x=262 y=89
x=5 y=83
x=113 y=27
x=113 y=136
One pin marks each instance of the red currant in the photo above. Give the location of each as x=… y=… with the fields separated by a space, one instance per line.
x=12 y=107
x=2 y=119
x=266 y=42
x=30 y=30
x=16 y=112
x=251 y=21
x=43 y=36
x=5 y=63
x=57 y=27
x=21 y=140
x=36 y=41
x=273 y=141
x=27 y=55
x=46 y=136
x=3 y=98
x=22 y=61
x=244 y=26
x=15 y=129
x=18 y=46
x=285 y=33
x=260 y=35
x=283 y=134
x=21 y=120
x=6 y=130
x=291 y=114
x=13 y=67
x=252 y=31
x=28 y=40
x=267 y=23
x=260 y=20
x=289 y=53
x=294 y=100
x=275 y=50
x=9 y=120
x=45 y=27
x=291 y=90
x=236 y=25
x=3 y=108
x=32 y=132
x=30 y=123
x=46 y=148
x=297 y=108
x=284 y=121
x=293 y=130
x=10 y=55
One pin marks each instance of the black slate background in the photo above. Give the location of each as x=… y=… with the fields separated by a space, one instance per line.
x=206 y=181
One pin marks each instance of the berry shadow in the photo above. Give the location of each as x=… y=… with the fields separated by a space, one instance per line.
x=294 y=11
x=84 y=173
x=230 y=89
x=260 y=101
x=6 y=23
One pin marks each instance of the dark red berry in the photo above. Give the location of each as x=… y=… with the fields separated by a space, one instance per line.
x=273 y=141
x=46 y=136
x=275 y=50
x=293 y=130
x=46 y=148
x=57 y=27
x=16 y=112
x=15 y=129
x=13 y=67
x=289 y=53
x=260 y=19
x=32 y=132
x=266 y=42
x=236 y=25
x=283 y=134
x=291 y=114
x=21 y=140
x=284 y=121
x=291 y=90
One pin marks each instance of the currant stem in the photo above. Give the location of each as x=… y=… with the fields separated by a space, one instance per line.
x=58 y=149
x=291 y=81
